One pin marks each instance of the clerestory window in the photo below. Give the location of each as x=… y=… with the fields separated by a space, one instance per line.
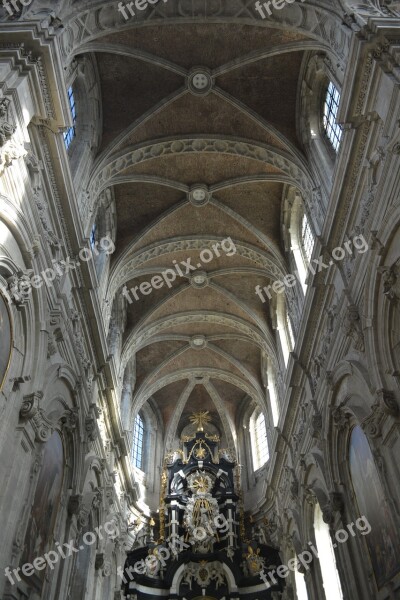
x=258 y=433
x=138 y=439
x=307 y=238
x=71 y=132
x=332 y=129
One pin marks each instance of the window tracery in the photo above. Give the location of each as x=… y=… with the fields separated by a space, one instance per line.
x=332 y=129
x=138 y=442
x=307 y=238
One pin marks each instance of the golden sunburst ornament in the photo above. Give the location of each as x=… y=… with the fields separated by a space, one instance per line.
x=200 y=419
x=200 y=452
x=201 y=485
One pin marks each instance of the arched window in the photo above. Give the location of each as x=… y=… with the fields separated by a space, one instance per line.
x=326 y=555
x=71 y=131
x=290 y=332
x=307 y=238
x=258 y=435
x=332 y=130
x=93 y=236
x=285 y=329
x=138 y=439
x=273 y=396
x=302 y=239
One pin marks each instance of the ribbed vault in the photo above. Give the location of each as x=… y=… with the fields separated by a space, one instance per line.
x=200 y=340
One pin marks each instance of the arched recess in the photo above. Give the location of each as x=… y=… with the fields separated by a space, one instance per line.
x=89 y=517
x=49 y=423
x=363 y=465
x=82 y=76
x=318 y=71
x=27 y=307
x=382 y=304
x=295 y=216
x=147 y=476
x=44 y=510
x=101 y=230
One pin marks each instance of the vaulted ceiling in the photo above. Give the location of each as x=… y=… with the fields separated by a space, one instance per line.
x=199 y=142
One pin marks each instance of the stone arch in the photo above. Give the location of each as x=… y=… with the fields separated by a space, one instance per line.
x=105 y=173
x=382 y=302
x=82 y=76
x=128 y=263
x=319 y=70
x=320 y=23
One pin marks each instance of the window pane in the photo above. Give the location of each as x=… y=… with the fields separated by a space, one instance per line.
x=71 y=132
x=261 y=440
x=331 y=107
x=137 y=447
x=307 y=237
x=93 y=236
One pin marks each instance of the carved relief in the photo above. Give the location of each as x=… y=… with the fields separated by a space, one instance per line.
x=391 y=282
x=203 y=573
x=353 y=327
x=19 y=287
x=341 y=417
x=31 y=411
x=10 y=150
